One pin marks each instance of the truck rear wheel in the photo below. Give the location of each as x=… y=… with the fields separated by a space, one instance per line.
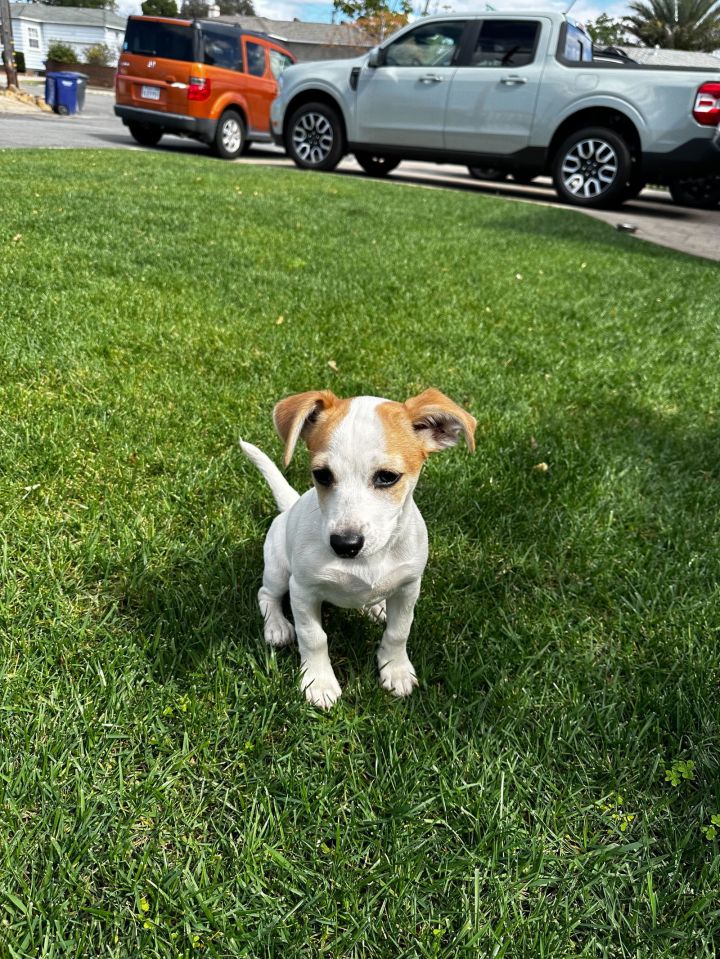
x=592 y=168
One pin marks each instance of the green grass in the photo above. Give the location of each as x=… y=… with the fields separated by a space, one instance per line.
x=164 y=789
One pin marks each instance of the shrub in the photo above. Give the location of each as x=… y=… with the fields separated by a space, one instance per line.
x=19 y=61
x=99 y=55
x=61 y=52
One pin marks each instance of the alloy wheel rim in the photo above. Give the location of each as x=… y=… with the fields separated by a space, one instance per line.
x=231 y=136
x=313 y=138
x=589 y=168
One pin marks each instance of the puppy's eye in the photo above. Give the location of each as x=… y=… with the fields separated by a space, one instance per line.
x=323 y=476
x=384 y=478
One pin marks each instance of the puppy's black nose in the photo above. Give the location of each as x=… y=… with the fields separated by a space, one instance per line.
x=347 y=545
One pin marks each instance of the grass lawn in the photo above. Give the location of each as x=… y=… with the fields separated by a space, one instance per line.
x=164 y=788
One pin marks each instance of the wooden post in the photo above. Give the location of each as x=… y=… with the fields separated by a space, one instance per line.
x=6 y=38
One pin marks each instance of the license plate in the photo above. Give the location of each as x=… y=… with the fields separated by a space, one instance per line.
x=150 y=93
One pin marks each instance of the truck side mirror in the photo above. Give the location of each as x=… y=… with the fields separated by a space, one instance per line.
x=375 y=57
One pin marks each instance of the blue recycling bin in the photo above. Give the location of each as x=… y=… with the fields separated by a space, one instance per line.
x=50 y=97
x=65 y=91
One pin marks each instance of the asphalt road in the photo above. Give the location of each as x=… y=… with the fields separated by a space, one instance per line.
x=654 y=217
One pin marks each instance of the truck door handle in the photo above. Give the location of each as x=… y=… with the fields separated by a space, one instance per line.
x=431 y=78
x=512 y=80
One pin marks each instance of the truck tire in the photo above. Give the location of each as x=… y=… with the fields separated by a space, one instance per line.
x=376 y=164
x=145 y=134
x=592 y=168
x=701 y=193
x=230 y=136
x=315 y=137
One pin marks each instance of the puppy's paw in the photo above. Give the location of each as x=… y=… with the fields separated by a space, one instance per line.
x=377 y=613
x=321 y=688
x=397 y=675
x=279 y=632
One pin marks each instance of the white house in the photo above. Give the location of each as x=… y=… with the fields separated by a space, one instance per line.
x=35 y=26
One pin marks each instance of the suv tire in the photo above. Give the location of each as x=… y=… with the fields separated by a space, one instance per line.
x=314 y=138
x=376 y=164
x=145 y=134
x=230 y=136
x=592 y=168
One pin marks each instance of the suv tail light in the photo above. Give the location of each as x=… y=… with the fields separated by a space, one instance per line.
x=198 y=88
x=707 y=105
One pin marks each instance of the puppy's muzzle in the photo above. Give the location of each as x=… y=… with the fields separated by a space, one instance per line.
x=347 y=545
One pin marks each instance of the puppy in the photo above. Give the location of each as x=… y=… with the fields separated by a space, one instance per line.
x=356 y=538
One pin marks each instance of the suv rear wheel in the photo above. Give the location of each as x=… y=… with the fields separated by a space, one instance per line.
x=376 y=164
x=145 y=134
x=592 y=168
x=230 y=136
x=314 y=137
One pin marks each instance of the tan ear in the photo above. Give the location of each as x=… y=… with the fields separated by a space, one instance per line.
x=438 y=421
x=296 y=413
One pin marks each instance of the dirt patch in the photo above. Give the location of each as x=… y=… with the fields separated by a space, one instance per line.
x=13 y=100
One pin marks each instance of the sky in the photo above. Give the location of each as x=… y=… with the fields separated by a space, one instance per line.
x=321 y=10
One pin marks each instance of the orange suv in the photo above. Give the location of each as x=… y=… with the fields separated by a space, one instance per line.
x=198 y=78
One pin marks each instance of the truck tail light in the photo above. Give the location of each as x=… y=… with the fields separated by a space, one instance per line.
x=707 y=105
x=198 y=88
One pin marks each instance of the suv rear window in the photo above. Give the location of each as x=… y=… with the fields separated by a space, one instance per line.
x=171 y=41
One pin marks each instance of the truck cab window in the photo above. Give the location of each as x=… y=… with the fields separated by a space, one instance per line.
x=429 y=45
x=505 y=43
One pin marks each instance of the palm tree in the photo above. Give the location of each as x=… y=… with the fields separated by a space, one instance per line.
x=676 y=24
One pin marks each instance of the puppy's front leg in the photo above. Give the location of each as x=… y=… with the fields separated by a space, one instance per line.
x=318 y=681
x=396 y=671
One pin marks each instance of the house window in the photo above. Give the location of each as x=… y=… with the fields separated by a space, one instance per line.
x=33 y=38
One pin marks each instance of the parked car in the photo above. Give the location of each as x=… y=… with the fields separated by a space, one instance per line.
x=505 y=92
x=198 y=78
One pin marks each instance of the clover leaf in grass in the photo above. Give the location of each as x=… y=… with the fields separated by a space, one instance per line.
x=682 y=770
x=713 y=830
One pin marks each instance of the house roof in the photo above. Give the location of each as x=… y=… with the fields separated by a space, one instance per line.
x=652 y=56
x=297 y=31
x=81 y=16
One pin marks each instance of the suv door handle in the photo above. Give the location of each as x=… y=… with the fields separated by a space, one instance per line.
x=431 y=78
x=513 y=79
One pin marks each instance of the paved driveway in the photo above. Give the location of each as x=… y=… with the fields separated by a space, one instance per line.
x=653 y=215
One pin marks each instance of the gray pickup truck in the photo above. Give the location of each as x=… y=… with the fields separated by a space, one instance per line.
x=520 y=93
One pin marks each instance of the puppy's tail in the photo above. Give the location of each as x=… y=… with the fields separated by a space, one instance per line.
x=283 y=492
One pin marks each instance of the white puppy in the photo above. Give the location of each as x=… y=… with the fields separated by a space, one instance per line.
x=356 y=539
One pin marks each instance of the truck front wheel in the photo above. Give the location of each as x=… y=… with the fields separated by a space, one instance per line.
x=592 y=168
x=315 y=137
